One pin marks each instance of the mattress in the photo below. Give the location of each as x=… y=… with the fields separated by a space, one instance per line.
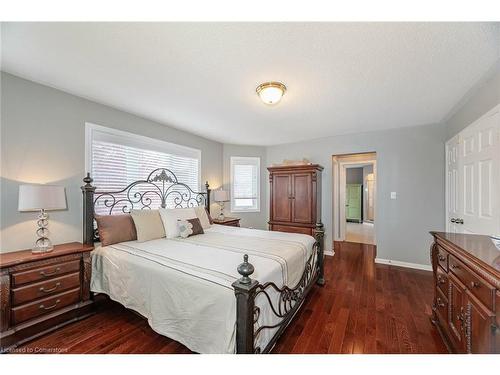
x=183 y=286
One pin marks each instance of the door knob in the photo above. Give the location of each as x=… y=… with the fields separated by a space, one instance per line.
x=453 y=220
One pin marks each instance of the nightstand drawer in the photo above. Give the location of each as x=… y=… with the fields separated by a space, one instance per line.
x=45 y=272
x=46 y=288
x=44 y=306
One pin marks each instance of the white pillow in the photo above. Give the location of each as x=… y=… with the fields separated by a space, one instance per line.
x=201 y=213
x=170 y=216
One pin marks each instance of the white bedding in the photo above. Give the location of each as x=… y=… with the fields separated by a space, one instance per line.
x=183 y=286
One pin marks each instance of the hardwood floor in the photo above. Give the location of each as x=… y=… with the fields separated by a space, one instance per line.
x=363 y=308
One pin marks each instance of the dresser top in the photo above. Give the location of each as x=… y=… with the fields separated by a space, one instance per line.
x=17 y=257
x=295 y=167
x=477 y=248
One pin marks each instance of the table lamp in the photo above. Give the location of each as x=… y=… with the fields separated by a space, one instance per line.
x=42 y=198
x=221 y=196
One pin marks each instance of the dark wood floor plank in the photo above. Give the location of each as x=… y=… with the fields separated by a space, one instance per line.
x=363 y=308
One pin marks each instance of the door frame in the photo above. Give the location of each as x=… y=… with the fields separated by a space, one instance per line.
x=340 y=163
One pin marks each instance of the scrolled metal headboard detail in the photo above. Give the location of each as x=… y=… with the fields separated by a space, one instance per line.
x=161 y=188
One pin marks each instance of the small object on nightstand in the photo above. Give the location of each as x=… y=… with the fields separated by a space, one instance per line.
x=221 y=196
x=41 y=198
x=228 y=221
x=41 y=292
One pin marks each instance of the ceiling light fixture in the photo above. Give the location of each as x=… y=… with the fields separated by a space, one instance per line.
x=271 y=92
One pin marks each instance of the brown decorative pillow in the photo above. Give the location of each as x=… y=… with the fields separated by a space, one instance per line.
x=115 y=228
x=189 y=227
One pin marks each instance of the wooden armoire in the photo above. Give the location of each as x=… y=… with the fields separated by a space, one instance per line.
x=295 y=193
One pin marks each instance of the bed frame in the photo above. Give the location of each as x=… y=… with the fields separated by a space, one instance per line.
x=161 y=186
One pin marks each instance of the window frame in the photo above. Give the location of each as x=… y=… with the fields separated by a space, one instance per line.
x=255 y=161
x=138 y=141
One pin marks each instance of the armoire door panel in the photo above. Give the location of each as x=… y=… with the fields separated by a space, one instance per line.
x=302 y=198
x=281 y=199
x=295 y=198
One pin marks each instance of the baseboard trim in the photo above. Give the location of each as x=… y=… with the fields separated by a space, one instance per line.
x=398 y=263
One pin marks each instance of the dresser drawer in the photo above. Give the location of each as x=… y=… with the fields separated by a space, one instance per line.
x=45 y=288
x=442 y=258
x=45 y=272
x=442 y=280
x=44 y=306
x=290 y=229
x=483 y=291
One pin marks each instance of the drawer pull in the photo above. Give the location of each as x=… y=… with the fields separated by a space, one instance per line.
x=45 y=274
x=439 y=302
x=42 y=307
x=441 y=258
x=474 y=284
x=455 y=266
x=42 y=289
x=441 y=280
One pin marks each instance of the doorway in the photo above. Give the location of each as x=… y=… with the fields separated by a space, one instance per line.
x=354 y=197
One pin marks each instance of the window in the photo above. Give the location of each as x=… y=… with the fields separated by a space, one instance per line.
x=245 y=184
x=115 y=159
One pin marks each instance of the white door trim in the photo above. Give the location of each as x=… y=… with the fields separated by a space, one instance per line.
x=338 y=191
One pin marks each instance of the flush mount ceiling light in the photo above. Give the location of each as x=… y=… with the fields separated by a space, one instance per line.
x=271 y=92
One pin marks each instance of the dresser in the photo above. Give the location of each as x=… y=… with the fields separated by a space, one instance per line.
x=467 y=292
x=42 y=292
x=295 y=193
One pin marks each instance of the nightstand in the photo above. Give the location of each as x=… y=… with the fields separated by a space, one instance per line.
x=42 y=292
x=228 y=221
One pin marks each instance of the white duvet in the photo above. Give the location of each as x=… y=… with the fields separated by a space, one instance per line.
x=183 y=286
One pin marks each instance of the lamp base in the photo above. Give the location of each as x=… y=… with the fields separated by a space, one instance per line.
x=221 y=216
x=42 y=245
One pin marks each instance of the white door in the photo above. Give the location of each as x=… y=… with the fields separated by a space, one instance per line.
x=479 y=187
x=473 y=177
x=452 y=185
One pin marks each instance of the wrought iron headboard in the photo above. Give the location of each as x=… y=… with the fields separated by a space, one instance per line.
x=161 y=186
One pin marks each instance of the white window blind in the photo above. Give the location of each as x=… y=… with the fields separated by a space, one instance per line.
x=118 y=158
x=245 y=184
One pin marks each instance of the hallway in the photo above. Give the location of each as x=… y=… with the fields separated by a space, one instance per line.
x=360 y=233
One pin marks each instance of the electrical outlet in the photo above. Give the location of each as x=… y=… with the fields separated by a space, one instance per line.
x=394 y=195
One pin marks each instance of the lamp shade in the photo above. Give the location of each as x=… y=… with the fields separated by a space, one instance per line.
x=221 y=196
x=37 y=197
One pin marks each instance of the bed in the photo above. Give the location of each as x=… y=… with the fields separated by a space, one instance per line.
x=197 y=290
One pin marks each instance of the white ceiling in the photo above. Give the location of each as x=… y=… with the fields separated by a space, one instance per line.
x=201 y=77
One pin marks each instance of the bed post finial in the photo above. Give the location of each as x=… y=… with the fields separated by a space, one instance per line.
x=319 y=235
x=207 y=201
x=244 y=289
x=88 y=210
x=245 y=269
